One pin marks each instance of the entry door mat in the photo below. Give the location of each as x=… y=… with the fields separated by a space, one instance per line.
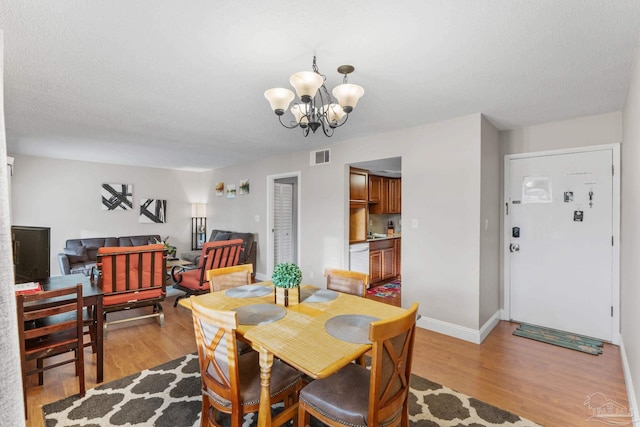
x=169 y=395
x=388 y=290
x=560 y=338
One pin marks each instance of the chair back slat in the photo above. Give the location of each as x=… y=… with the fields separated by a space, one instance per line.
x=226 y=255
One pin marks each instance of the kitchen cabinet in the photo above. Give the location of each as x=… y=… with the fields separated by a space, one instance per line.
x=394 y=199
x=390 y=196
x=358 y=185
x=358 y=199
x=383 y=260
x=375 y=189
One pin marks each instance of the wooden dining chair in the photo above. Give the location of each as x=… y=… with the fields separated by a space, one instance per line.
x=231 y=381
x=229 y=277
x=50 y=324
x=216 y=254
x=355 y=396
x=350 y=282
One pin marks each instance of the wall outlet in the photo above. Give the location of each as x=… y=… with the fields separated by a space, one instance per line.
x=311 y=275
x=257 y=218
x=414 y=222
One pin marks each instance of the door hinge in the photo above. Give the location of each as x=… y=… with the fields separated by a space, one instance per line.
x=506 y=207
x=613 y=170
x=611 y=311
x=612 y=241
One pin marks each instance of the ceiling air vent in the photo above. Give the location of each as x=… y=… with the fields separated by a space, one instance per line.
x=320 y=157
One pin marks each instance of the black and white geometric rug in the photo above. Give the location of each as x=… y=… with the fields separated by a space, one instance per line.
x=169 y=396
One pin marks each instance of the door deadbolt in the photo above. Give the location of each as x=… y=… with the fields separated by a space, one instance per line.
x=514 y=247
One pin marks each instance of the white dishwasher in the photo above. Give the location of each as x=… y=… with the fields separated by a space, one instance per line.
x=359 y=257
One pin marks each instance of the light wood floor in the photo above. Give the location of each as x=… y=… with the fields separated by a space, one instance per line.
x=544 y=383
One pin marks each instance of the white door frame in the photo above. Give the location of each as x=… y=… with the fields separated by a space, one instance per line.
x=270 y=184
x=506 y=238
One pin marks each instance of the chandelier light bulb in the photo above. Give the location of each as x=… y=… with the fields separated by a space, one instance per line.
x=334 y=113
x=300 y=114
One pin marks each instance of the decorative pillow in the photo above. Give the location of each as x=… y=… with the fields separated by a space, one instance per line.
x=221 y=236
x=76 y=255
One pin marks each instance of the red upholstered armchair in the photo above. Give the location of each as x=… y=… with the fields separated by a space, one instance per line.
x=225 y=253
x=132 y=277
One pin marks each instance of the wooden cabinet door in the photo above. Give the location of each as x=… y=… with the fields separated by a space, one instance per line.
x=375 y=266
x=388 y=263
x=382 y=206
x=375 y=189
x=394 y=197
x=358 y=186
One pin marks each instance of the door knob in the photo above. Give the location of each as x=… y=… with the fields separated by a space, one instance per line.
x=514 y=247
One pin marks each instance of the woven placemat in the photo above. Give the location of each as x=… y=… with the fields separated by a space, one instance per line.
x=320 y=295
x=248 y=291
x=350 y=327
x=257 y=314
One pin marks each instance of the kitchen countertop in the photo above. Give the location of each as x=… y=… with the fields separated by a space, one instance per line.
x=392 y=236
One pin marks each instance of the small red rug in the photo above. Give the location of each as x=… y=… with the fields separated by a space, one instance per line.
x=388 y=290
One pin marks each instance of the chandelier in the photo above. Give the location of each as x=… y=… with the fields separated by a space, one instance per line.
x=317 y=108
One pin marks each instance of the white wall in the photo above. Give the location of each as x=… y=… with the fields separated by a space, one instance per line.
x=579 y=132
x=65 y=195
x=489 y=287
x=630 y=235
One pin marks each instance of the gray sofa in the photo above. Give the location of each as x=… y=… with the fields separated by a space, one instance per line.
x=79 y=255
x=249 y=247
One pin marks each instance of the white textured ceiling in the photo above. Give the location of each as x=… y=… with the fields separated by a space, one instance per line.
x=179 y=84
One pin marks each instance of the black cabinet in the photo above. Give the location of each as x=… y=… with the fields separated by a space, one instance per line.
x=31 y=253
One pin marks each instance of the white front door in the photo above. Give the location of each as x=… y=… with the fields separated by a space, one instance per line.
x=559 y=234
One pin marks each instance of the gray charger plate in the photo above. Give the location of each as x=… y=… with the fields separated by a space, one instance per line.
x=248 y=291
x=320 y=295
x=257 y=314
x=350 y=327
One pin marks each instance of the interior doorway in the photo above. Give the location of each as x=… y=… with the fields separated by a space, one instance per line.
x=283 y=236
x=375 y=222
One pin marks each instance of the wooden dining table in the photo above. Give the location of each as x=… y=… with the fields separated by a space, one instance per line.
x=300 y=338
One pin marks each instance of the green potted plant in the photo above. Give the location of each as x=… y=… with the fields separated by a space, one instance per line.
x=171 y=250
x=286 y=279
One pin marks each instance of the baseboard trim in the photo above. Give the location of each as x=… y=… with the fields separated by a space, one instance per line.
x=460 y=332
x=631 y=394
